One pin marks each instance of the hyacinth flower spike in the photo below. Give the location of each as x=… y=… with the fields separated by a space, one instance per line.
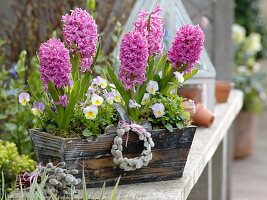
x=184 y=53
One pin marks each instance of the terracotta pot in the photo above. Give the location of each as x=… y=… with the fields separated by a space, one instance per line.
x=193 y=92
x=222 y=89
x=203 y=116
x=246 y=124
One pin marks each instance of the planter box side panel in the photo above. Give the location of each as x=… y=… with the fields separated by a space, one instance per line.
x=168 y=162
x=47 y=147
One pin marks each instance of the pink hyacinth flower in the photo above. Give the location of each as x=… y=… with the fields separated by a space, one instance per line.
x=187 y=47
x=133 y=57
x=80 y=28
x=150 y=26
x=63 y=100
x=54 y=63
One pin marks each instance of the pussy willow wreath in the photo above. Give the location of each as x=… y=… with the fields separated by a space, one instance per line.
x=130 y=164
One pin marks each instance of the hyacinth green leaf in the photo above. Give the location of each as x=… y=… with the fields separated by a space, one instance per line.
x=87 y=75
x=37 y=57
x=115 y=188
x=188 y=75
x=70 y=108
x=124 y=94
x=53 y=91
x=54 y=94
x=73 y=100
x=139 y=96
x=161 y=62
x=166 y=69
x=97 y=54
x=151 y=65
x=74 y=46
x=76 y=76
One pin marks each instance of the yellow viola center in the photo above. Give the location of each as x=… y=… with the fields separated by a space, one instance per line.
x=102 y=85
x=110 y=101
x=90 y=115
x=37 y=112
x=159 y=112
x=24 y=102
x=117 y=98
x=152 y=90
x=97 y=102
x=144 y=101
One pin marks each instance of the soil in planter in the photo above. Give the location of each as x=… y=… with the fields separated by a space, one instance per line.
x=75 y=130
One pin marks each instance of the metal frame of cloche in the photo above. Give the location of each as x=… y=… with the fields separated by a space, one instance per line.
x=175 y=15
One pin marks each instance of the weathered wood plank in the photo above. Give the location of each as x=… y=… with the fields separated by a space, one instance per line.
x=168 y=162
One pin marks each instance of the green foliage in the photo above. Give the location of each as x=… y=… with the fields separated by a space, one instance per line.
x=248 y=75
x=37 y=190
x=166 y=82
x=175 y=115
x=252 y=20
x=11 y=163
x=15 y=120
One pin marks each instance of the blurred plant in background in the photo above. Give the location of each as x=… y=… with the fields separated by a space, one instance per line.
x=252 y=21
x=33 y=22
x=15 y=120
x=11 y=163
x=248 y=75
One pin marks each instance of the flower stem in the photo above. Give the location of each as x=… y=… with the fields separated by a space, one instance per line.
x=132 y=91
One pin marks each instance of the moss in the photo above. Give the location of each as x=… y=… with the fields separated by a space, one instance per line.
x=75 y=130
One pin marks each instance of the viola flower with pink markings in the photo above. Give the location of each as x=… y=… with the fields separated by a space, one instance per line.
x=38 y=108
x=158 y=110
x=24 y=98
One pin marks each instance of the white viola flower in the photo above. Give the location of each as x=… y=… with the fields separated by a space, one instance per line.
x=158 y=110
x=97 y=100
x=133 y=104
x=152 y=87
x=90 y=112
x=110 y=97
x=117 y=97
x=24 y=98
x=179 y=77
x=38 y=108
x=145 y=99
x=102 y=82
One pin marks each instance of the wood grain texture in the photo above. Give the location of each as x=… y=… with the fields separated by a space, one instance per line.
x=168 y=162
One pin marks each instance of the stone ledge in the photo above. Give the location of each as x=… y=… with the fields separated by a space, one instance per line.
x=204 y=145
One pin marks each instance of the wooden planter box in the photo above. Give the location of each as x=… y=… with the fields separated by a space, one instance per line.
x=168 y=162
